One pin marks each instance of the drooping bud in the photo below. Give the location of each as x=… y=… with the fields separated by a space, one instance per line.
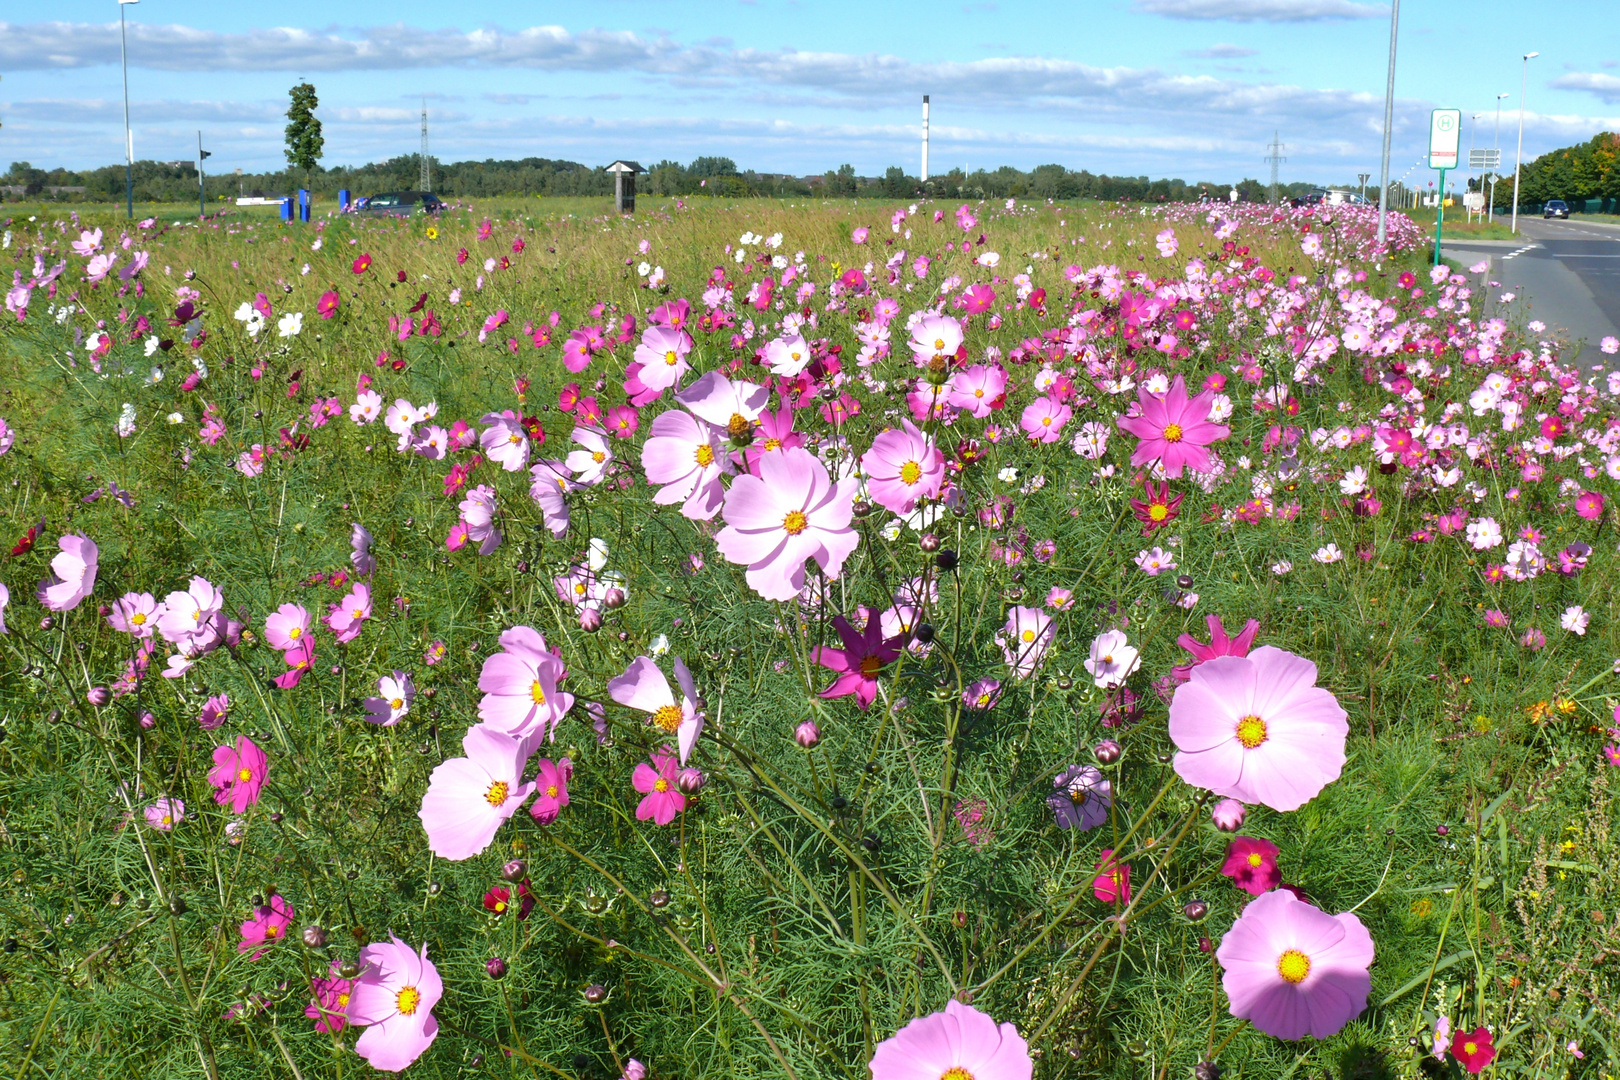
x=98 y=696
x=690 y=781
x=614 y=599
x=496 y=967
x=590 y=620
x=807 y=734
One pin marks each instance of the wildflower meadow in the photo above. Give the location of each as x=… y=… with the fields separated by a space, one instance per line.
x=916 y=641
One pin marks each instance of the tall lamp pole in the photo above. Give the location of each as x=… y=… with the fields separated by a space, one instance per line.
x=1389 y=116
x=129 y=140
x=1496 y=141
x=1518 y=155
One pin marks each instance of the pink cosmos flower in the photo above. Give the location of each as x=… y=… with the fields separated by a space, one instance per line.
x=360 y=541
x=954 y=1044
x=395 y=995
x=643 y=687
x=299 y=659
x=550 y=482
x=346 y=617
x=327 y=305
x=136 y=614
x=859 y=235
x=1474 y=1050
x=1043 y=419
x=732 y=407
x=860 y=661
x=787 y=356
x=591 y=461
x=662 y=356
x=288 y=627
x=520 y=686
x=1292 y=970
x=5 y=598
x=238 y=774
x=1258 y=729
x=478 y=511
x=393 y=703
x=902 y=467
x=1025 y=638
x=550 y=789
x=1113 y=881
x=1252 y=864
x=1174 y=430
x=662 y=799
x=214 y=711
x=268 y=925
x=1589 y=505
x=1219 y=645
x=73 y=574
x=789 y=513
x=504 y=440
x=977 y=298
x=978 y=389
x=469 y=798
x=165 y=813
x=685 y=456
x=187 y=618
x=330 y=1007
x=935 y=336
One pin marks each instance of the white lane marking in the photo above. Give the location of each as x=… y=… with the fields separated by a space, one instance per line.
x=1521 y=251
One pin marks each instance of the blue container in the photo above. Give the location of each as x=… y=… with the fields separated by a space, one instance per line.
x=343 y=199
x=303 y=204
x=287 y=209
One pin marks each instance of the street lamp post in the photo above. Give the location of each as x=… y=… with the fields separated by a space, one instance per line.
x=1496 y=141
x=129 y=140
x=1389 y=116
x=1518 y=155
x=1473 y=125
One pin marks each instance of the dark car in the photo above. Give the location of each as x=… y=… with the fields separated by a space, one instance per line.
x=399 y=204
x=1555 y=208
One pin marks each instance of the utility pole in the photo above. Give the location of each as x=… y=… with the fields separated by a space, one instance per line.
x=1518 y=156
x=129 y=139
x=1275 y=158
x=426 y=181
x=201 y=155
x=1496 y=173
x=1389 y=119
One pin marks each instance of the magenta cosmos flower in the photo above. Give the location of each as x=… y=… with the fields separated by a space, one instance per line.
x=550 y=789
x=395 y=995
x=239 y=771
x=73 y=573
x=330 y=1005
x=643 y=687
x=860 y=661
x=469 y=798
x=1220 y=644
x=1043 y=419
x=662 y=799
x=1292 y=970
x=978 y=389
x=346 y=617
x=520 y=686
x=902 y=467
x=1258 y=729
x=960 y=1043
x=268 y=925
x=790 y=512
x=1174 y=430
x=684 y=455
x=1252 y=865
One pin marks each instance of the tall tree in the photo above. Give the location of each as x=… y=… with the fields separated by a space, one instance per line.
x=304 y=141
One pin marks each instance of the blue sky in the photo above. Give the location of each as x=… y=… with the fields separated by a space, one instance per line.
x=1188 y=88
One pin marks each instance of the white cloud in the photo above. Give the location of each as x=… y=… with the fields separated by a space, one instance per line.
x=1221 y=52
x=1605 y=87
x=1261 y=10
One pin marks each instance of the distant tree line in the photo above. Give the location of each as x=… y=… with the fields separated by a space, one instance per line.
x=1588 y=170
x=157 y=181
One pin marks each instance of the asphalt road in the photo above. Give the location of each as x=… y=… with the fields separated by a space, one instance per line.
x=1565 y=273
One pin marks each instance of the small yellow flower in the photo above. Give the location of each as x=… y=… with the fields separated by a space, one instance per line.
x=432 y=233
x=1482 y=723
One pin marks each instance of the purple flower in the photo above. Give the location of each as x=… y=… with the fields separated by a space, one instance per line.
x=1080 y=798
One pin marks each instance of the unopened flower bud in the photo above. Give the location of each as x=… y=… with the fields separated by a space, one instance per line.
x=929 y=543
x=314 y=937
x=590 y=620
x=148 y=721
x=515 y=870
x=614 y=599
x=1205 y=945
x=1195 y=910
x=1108 y=751
x=946 y=559
x=689 y=781
x=496 y=967
x=1228 y=815
x=807 y=734
x=596 y=993
x=1206 y=1070
x=46 y=623
x=98 y=696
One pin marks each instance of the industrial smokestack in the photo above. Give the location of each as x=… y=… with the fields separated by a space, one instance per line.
x=925 y=140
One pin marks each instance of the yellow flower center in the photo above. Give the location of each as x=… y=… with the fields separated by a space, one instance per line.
x=704 y=455
x=1172 y=433
x=979 y=392
x=397 y=703
x=537 y=693
x=670 y=358
x=272 y=930
x=1293 y=966
x=1470 y=1048
x=580 y=588
x=496 y=795
x=667 y=718
x=870 y=666
x=795 y=522
x=660 y=785
x=244 y=775
x=773 y=444
x=1046 y=421
x=1077 y=795
x=358 y=613
x=738 y=427
x=295 y=633
x=1251 y=731
x=514 y=438
x=168 y=819
x=910 y=472
x=551 y=791
x=343 y=1001
x=408 y=1000
x=939 y=344
x=598 y=457
x=138 y=619
x=795 y=354
x=1027 y=636
x=1255 y=859
x=1158 y=512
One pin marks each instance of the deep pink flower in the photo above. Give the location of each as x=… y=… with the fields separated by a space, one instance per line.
x=644 y=688
x=73 y=573
x=330 y=1007
x=1258 y=729
x=1292 y=970
x=469 y=798
x=860 y=661
x=1473 y=1049
x=1219 y=645
x=1252 y=864
x=955 y=1044
x=902 y=467
x=1589 y=505
x=213 y=712
x=662 y=799
x=239 y=772
x=520 y=686
x=327 y=305
x=978 y=298
x=1043 y=419
x=299 y=660
x=395 y=995
x=268 y=925
x=789 y=513
x=346 y=617
x=550 y=789
x=1113 y=881
x=1174 y=430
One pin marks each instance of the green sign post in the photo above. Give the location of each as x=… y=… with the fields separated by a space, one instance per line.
x=1445 y=133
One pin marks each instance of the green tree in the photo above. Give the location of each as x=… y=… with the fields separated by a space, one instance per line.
x=304 y=141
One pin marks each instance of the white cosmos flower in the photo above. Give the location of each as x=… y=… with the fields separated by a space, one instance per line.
x=290 y=324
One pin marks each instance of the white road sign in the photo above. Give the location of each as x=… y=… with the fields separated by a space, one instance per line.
x=1445 y=132
x=1488 y=159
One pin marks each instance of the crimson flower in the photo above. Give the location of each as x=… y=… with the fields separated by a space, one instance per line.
x=1158 y=510
x=1252 y=865
x=362 y=264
